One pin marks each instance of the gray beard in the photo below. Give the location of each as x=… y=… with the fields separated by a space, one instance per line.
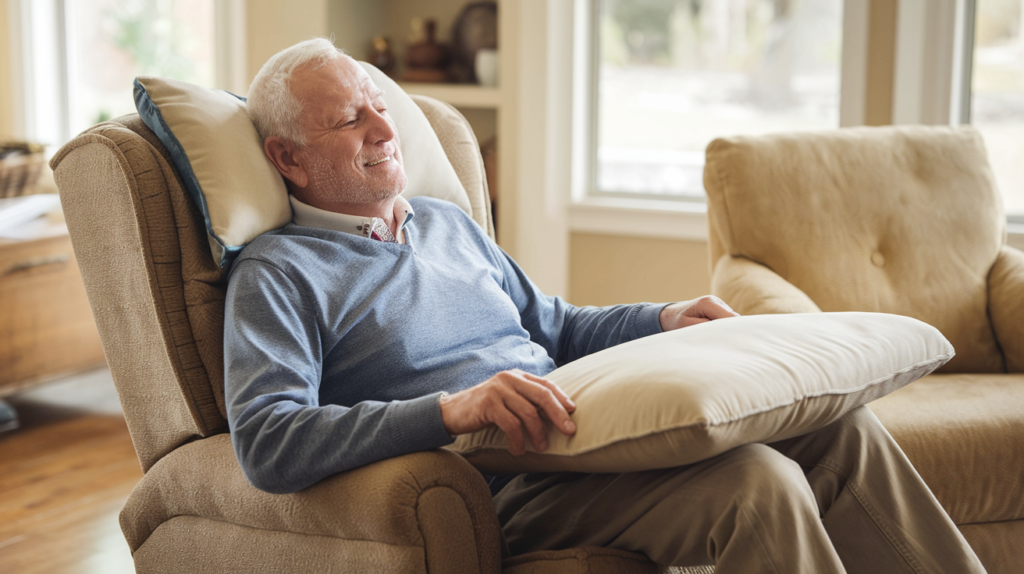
x=324 y=179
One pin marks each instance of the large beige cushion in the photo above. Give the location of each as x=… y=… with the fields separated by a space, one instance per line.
x=965 y=435
x=894 y=220
x=687 y=395
x=220 y=157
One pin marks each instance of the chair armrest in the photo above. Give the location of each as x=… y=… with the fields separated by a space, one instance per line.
x=1006 y=306
x=432 y=501
x=753 y=289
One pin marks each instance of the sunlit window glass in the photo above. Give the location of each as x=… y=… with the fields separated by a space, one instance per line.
x=113 y=41
x=675 y=74
x=997 y=99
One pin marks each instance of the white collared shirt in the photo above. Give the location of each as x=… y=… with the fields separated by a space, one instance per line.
x=309 y=216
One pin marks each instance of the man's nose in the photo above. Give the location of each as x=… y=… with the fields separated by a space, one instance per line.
x=381 y=129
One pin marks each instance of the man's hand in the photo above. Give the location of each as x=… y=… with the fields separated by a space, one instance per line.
x=512 y=400
x=686 y=313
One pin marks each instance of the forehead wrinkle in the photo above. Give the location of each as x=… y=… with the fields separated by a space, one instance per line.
x=358 y=85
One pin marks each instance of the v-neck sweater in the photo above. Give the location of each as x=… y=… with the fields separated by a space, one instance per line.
x=338 y=347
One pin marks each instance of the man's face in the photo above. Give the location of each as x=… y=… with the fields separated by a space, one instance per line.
x=351 y=153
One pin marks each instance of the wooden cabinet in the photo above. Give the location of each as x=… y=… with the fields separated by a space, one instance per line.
x=46 y=324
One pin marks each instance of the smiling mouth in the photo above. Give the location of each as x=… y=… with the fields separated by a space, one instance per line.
x=382 y=160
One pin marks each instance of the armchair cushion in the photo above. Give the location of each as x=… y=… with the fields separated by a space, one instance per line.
x=1006 y=306
x=680 y=397
x=963 y=434
x=753 y=289
x=429 y=500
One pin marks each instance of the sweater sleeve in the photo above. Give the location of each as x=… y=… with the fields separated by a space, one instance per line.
x=284 y=439
x=568 y=332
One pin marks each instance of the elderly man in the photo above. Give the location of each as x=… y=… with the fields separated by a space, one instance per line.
x=347 y=330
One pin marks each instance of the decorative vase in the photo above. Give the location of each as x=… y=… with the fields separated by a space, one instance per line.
x=486 y=67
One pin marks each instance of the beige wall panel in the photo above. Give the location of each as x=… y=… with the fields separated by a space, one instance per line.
x=275 y=25
x=6 y=96
x=610 y=269
x=881 y=63
x=354 y=23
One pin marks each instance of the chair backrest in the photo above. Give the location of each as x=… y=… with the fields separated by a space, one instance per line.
x=900 y=220
x=156 y=294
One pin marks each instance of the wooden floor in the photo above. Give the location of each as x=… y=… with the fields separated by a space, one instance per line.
x=64 y=476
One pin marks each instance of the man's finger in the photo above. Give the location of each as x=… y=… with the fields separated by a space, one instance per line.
x=511 y=426
x=545 y=399
x=530 y=418
x=559 y=393
x=713 y=308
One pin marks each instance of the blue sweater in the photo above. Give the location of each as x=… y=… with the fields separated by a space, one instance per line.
x=337 y=347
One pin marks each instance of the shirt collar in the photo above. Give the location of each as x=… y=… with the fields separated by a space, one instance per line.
x=309 y=216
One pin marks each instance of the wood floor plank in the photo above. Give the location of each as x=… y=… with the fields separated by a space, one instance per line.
x=74 y=543
x=64 y=477
x=43 y=463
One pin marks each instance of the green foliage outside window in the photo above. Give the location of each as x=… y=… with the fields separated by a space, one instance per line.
x=156 y=41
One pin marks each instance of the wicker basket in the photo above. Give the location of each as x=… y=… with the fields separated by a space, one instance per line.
x=20 y=167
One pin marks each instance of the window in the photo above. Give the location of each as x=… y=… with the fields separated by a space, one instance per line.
x=997 y=94
x=80 y=57
x=110 y=42
x=672 y=75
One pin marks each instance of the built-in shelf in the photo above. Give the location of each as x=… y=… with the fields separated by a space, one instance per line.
x=458 y=95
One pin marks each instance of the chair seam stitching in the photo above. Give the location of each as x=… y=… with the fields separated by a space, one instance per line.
x=419 y=524
x=186 y=515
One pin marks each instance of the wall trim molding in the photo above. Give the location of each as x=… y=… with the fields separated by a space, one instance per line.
x=854 y=64
x=926 y=55
x=661 y=219
x=230 y=46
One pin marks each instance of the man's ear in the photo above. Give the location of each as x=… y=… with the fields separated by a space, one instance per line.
x=282 y=154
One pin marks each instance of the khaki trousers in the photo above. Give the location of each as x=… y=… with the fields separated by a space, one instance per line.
x=841 y=499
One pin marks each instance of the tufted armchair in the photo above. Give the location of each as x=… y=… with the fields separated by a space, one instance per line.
x=896 y=220
x=158 y=300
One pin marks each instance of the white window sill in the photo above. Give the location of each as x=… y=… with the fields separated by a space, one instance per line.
x=667 y=219
x=1015 y=235
x=662 y=219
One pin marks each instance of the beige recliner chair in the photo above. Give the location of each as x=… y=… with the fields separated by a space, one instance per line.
x=158 y=301
x=906 y=221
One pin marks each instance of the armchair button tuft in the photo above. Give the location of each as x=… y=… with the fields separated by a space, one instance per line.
x=878 y=259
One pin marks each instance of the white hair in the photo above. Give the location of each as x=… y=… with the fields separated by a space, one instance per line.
x=272 y=107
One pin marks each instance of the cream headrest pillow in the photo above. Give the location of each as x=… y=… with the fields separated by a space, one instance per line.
x=219 y=156
x=680 y=397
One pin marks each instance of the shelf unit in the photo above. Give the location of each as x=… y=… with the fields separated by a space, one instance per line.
x=458 y=95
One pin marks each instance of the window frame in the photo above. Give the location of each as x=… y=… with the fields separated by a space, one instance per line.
x=853 y=12
x=933 y=71
x=590 y=212
x=593 y=211
x=963 y=92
